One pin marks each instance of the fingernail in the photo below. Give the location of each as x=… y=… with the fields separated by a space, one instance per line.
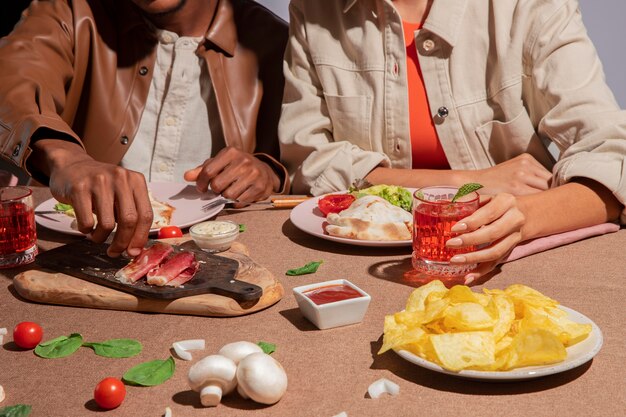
x=133 y=251
x=455 y=241
x=457 y=259
x=459 y=227
x=469 y=279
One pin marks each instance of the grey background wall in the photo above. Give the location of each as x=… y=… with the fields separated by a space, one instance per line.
x=605 y=23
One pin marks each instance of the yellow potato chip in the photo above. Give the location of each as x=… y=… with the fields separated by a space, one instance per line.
x=533 y=347
x=526 y=296
x=397 y=335
x=461 y=294
x=418 y=296
x=458 y=351
x=505 y=313
x=467 y=317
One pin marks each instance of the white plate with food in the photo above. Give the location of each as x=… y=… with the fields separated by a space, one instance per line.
x=309 y=218
x=174 y=204
x=577 y=355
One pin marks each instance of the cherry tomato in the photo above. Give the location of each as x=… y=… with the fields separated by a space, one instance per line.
x=27 y=334
x=334 y=203
x=169 y=232
x=109 y=393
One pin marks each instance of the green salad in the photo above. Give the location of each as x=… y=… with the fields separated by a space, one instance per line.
x=396 y=195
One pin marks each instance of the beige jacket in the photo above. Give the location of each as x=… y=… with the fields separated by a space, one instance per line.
x=503 y=77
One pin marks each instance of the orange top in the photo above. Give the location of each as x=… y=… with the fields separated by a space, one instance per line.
x=426 y=149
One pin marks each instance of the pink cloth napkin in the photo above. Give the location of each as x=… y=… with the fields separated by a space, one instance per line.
x=559 y=239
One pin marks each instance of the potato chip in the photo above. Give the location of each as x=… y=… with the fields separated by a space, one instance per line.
x=491 y=331
x=458 y=351
x=533 y=347
x=418 y=296
x=467 y=317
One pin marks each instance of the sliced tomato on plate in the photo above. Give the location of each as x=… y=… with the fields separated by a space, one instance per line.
x=334 y=203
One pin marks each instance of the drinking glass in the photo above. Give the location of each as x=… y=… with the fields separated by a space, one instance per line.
x=18 y=237
x=434 y=214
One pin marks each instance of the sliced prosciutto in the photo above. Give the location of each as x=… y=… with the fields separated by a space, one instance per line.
x=147 y=260
x=172 y=268
x=184 y=276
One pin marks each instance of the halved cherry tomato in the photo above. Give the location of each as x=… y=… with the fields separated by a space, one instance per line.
x=169 y=232
x=27 y=334
x=334 y=203
x=109 y=393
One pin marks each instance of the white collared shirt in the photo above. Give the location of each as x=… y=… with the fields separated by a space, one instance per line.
x=179 y=128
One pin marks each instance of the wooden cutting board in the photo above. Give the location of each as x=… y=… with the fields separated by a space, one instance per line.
x=56 y=288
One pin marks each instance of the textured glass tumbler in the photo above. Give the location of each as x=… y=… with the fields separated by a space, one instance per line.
x=434 y=214
x=18 y=236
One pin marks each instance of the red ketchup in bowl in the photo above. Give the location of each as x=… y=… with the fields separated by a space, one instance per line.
x=332 y=293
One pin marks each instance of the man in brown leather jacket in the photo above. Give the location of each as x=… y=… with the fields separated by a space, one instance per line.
x=97 y=95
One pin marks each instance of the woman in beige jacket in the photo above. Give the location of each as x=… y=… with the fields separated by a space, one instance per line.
x=509 y=83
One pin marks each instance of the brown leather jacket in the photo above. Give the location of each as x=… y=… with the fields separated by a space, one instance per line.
x=80 y=70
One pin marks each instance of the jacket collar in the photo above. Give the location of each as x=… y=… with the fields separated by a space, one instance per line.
x=444 y=18
x=222 y=32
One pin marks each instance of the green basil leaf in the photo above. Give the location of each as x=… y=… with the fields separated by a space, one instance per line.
x=151 y=373
x=242 y=228
x=116 y=348
x=465 y=190
x=59 y=347
x=18 y=410
x=309 y=268
x=268 y=348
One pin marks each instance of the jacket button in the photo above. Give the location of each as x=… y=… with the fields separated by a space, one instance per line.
x=143 y=70
x=124 y=140
x=428 y=45
x=16 y=150
x=442 y=112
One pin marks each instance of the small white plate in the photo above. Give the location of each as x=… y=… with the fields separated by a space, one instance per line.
x=307 y=217
x=577 y=355
x=186 y=200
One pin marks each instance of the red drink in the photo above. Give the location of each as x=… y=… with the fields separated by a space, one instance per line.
x=434 y=214
x=18 y=238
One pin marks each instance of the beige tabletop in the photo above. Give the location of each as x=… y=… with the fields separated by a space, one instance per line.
x=328 y=370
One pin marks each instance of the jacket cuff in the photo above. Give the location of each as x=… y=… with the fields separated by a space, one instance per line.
x=279 y=169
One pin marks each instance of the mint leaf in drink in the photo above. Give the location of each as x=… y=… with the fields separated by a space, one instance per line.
x=151 y=373
x=116 y=348
x=268 y=348
x=18 y=410
x=309 y=268
x=59 y=347
x=465 y=189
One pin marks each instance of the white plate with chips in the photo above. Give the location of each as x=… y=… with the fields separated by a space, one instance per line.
x=184 y=198
x=577 y=355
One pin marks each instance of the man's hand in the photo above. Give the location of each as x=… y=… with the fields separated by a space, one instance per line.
x=113 y=194
x=235 y=174
x=521 y=175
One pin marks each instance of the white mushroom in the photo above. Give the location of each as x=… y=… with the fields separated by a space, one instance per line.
x=239 y=350
x=181 y=348
x=261 y=378
x=213 y=377
x=383 y=386
x=3 y=331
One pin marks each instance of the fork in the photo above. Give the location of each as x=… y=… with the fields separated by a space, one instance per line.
x=285 y=202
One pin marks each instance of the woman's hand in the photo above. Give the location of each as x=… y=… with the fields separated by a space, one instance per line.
x=498 y=223
x=521 y=175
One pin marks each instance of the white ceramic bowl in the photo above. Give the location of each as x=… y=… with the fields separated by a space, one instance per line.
x=214 y=235
x=333 y=314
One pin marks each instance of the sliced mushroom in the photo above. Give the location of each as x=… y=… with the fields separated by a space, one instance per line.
x=261 y=378
x=239 y=350
x=213 y=377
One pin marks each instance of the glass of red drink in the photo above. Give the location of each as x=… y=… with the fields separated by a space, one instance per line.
x=18 y=236
x=434 y=214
